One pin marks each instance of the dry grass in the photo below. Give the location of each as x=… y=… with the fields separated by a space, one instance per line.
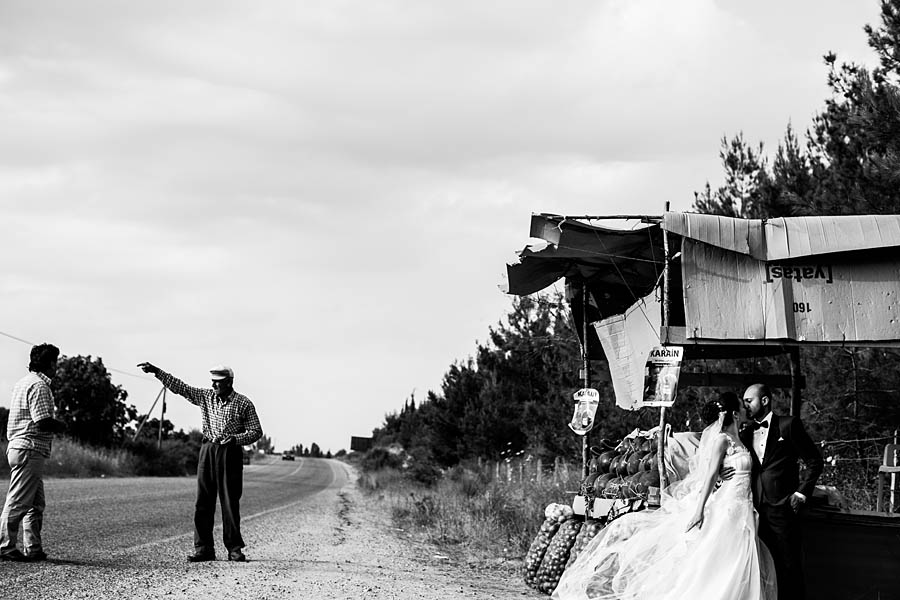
x=70 y=459
x=467 y=513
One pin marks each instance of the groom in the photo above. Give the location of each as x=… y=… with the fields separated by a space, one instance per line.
x=777 y=443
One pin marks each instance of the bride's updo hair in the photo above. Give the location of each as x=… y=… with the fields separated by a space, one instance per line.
x=727 y=403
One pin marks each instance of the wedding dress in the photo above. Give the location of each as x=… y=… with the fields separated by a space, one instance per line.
x=648 y=555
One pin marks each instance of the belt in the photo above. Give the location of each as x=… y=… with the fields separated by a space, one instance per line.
x=206 y=440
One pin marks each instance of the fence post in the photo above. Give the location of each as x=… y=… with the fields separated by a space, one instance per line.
x=539 y=470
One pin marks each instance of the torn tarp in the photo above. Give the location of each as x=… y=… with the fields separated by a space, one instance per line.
x=619 y=266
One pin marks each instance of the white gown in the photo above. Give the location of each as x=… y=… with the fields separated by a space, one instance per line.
x=648 y=555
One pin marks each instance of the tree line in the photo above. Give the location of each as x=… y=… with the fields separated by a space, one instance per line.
x=514 y=395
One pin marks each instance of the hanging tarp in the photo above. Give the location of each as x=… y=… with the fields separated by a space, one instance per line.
x=805 y=279
x=627 y=341
x=619 y=265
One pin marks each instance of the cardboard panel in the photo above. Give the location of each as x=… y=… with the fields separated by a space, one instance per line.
x=788 y=238
x=848 y=297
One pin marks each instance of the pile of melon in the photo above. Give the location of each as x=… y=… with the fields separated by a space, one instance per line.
x=627 y=470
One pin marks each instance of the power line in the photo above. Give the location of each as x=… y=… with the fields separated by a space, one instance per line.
x=18 y=339
x=120 y=372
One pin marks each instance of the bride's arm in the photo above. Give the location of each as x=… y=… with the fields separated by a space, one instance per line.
x=712 y=474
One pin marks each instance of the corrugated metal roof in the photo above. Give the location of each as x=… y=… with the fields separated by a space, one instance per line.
x=790 y=237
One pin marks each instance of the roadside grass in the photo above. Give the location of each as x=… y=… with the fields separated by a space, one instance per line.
x=467 y=512
x=69 y=458
x=490 y=522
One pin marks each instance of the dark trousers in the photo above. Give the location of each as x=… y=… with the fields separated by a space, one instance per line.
x=219 y=472
x=779 y=529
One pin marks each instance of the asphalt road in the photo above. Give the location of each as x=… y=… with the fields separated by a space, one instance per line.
x=148 y=521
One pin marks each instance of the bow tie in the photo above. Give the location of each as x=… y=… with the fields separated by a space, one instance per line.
x=757 y=424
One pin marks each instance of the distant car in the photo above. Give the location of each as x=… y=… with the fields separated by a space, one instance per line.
x=287 y=456
x=246 y=458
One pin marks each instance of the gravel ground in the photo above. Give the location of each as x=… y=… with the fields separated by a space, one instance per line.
x=333 y=545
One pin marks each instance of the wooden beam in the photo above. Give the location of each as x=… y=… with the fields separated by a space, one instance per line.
x=739 y=380
x=677 y=336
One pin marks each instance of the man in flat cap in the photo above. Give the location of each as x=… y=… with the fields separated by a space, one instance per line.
x=229 y=422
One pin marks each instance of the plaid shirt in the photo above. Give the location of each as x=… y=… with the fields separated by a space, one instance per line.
x=234 y=416
x=32 y=401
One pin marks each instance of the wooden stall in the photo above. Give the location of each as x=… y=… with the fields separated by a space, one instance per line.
x=721 y=287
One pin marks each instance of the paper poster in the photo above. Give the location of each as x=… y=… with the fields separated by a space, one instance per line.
x=661 y=376
x=586 y=401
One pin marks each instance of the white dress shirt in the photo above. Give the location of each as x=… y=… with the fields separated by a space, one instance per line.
x=760 y=436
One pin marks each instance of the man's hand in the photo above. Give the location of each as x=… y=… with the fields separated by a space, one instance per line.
x=797 y=500
x=726 y=473
x=148 y=368
x=226 y=440
x=51 y=425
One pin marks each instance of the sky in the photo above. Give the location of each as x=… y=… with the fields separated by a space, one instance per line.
x=323 y=195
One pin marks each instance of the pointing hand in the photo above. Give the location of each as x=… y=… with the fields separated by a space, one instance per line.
x=148 y=368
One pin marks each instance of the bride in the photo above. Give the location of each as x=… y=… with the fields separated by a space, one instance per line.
x=698 y=544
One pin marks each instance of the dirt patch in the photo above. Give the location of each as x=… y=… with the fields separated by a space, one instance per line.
x=337 y=544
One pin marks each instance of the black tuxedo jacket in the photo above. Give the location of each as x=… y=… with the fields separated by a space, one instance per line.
x=777 y=476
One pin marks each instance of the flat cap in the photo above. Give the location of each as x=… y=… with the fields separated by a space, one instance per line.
x=220 y=372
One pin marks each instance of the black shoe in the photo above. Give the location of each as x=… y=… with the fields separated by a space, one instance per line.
x=15 y=556
x=236 y=555
x=36 y=556
x=200 y=556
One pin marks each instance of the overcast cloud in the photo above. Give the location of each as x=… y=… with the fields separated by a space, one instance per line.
x=324 y=194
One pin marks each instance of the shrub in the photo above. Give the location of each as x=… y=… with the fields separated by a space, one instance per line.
x=378 y=459
x=174 y=458
x=71 y=459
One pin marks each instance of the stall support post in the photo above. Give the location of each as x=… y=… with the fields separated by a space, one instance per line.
x=661 y=436
x=794 y=352
x=162 y=417
x=586 y=365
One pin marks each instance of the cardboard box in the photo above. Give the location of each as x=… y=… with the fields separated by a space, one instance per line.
x=600 y=509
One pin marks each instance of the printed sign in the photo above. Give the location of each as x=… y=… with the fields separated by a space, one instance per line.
x=839 y=298
x=661 y=376
x=586 y=401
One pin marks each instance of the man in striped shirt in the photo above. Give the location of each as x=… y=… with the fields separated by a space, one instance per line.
x=30 y=432
x=229 y=422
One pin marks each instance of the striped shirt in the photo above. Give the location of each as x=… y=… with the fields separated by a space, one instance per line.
x=32 y=401
x=235 y=416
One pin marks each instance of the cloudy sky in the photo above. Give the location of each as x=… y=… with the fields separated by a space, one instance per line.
x=323 y=194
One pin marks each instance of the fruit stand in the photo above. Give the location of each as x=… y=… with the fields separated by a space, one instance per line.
x=797 y=281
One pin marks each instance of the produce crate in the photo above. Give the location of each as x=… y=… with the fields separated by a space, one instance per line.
x=599 y=511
